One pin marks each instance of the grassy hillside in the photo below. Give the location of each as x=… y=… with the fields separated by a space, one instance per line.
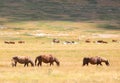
x=24 y=18
x=73 y=10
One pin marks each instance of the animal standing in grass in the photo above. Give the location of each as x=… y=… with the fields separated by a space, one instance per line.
x=46 y=59
x=22 y=60
x=56 y=41
x=95 y=60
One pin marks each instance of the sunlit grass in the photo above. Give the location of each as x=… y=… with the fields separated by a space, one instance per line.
x=70 y=56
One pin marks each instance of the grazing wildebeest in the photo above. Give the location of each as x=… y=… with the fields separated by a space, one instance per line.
x=56 y=41
x=6 y=42
x=9 y=42
x=46 y=59
x=22 y=60
x=69 y=42
x=95 y=60
x=114 y=40
x=101 y=41
x=87 y=41
x=20 y=42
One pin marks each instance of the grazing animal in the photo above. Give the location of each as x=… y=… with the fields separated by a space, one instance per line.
x=87 y=41
x=6 y=42
x=22 y=60
x=9 y=42
x=94 y=60
x=114 y=40
x=46 y=59
x=56 y=41
x=20 y=42
x=69 y=42
x=101 y=41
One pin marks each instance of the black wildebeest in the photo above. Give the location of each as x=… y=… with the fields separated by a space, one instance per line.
x=46 y=59
x=22 y=60
x=95 y=60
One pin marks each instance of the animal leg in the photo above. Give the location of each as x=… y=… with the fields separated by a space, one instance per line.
x=83 y=65
x=97 y=64
x=15 y=64
x=51 y=63
x=39 y=64
x=101 y=64
x=87 y=64
x=25 y=64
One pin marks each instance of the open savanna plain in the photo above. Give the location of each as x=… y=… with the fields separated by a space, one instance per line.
x=38 y=36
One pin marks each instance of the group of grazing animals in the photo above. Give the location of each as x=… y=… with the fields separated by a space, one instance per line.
x=41 y=58
x=9 y=42
x=51 y=59
x=65 y=42
x=86 y=41
x=100 y=41
x=12 y=42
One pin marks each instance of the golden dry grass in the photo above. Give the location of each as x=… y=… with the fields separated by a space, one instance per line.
x=70 y=56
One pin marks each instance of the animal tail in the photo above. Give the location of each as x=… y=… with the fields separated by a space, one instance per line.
x=85 y=60
x=36 y=60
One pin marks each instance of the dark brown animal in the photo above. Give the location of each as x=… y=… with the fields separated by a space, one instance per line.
x=87 y=41
x=105 y=42
x=46 y=59
x=6 y=42
x=22 y=60
x=20 y=42
x=56 y=41
x=9 y=42
x=94 y=60
x=101 y=41
x=114 y=40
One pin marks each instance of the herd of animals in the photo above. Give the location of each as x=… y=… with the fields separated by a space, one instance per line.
x=12 y=42
x=65 y=42
x=86 y=41
x=51 y=59
x=38 y=60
